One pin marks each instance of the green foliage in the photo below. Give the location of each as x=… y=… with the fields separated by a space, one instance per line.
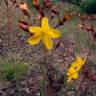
x=12 y=69
x=88 y=6
x=54 y=1
x=42 y=85
x=77 y=2
x=41 y=1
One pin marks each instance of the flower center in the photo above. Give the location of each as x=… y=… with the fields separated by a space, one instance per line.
x=44 y=32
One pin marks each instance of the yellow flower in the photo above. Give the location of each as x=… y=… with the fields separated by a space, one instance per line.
x=44 y=33
x=74 y=76
x=75 y=68
x=78 y=62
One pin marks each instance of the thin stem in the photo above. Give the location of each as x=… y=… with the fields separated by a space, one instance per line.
x=43 y=71
x=18 y=46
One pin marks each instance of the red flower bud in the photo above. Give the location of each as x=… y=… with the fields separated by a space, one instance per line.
x=23 y=25
x=35 y=2
x=47 y=4
x=24 y=6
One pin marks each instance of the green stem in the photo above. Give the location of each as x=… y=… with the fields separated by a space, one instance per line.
x=43 y=72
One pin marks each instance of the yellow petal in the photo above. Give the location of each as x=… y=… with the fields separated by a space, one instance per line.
x=34 y=29
x=75 y=65
x=35 y=39
x=69 y=79
x=45 y=25
x=84 y=60
x=79 y=60
x=78 y=68
x=54 y=33
x=47 y=42
x=74 y=76
x=71 y=71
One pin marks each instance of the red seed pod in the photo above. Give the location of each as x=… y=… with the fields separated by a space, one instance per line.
x=23 y=25
x=36 y=5
x=59 y=24
x=38 y=8
x=47 y=4
x=26 y=13
x=66 y=18
x=35 y=2
x=54 y=13
x=24 y=8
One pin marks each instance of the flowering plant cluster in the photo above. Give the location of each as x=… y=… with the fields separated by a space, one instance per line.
x=45 y=33
x=75 y=68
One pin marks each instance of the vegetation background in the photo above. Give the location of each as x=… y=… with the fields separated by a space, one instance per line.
x=20 y=63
